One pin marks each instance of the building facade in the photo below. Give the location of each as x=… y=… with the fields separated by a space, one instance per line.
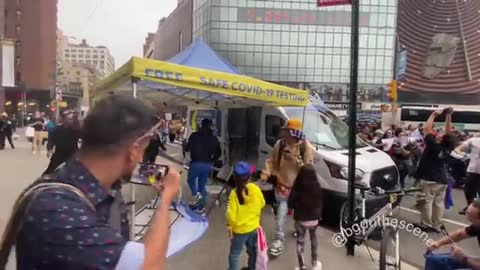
x=296 y=43
x=33 y=25
x=442 y=43
x=174 y=32
x=77 y=82
x=149 y=46
x=98 y=56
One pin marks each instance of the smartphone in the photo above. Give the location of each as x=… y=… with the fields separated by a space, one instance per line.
x=149 y=174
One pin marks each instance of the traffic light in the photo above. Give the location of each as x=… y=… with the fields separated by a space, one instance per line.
x=392 y=90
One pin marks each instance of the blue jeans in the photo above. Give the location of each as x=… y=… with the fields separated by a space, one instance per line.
x=238 y=241
x=197 y=180
x=281 y=218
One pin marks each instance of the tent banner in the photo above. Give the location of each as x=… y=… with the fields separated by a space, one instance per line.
x=217 y=82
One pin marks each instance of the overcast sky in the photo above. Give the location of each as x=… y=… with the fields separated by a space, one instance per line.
x=121 y=25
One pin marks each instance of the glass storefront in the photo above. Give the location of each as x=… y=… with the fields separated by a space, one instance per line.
x=294 y=41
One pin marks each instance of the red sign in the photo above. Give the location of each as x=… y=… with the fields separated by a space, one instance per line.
x=326 y=3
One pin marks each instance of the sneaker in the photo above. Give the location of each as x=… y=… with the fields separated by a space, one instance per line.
x=317 y=265
x=298 y=268
x=463 y=212
x=427 y=228
x=277 y=248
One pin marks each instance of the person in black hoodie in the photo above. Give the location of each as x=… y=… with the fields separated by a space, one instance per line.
x=306 y=200
x=63 y=142
x=204 y=149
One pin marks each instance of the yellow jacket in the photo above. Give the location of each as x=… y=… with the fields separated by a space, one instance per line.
x=245 y=218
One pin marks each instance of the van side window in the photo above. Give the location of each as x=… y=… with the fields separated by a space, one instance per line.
x=273 y=128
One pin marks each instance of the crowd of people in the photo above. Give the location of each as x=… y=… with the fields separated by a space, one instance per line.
x=436 y=160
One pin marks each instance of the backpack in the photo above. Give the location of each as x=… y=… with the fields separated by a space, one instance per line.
x=21 y=207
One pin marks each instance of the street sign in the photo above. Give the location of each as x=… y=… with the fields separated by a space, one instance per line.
x=327 y=3
x=58 y=93
x=340 y=105
x=402 y=64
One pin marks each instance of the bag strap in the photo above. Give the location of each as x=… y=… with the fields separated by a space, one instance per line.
x=21 y=207
x=280 y=152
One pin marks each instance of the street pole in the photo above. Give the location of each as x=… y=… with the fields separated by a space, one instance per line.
x=352 y=115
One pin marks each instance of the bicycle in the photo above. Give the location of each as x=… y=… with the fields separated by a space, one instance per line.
x=389 y=236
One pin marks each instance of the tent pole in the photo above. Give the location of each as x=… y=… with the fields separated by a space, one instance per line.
x=303 y=118
x=132 y=186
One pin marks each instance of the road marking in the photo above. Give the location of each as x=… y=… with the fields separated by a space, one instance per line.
x=445 y=219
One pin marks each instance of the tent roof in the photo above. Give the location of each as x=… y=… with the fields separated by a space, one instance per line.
x=200 y=55
x=171 y=84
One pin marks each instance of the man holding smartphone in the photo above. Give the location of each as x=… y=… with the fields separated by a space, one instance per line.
x=432 y=171
x=76 y=224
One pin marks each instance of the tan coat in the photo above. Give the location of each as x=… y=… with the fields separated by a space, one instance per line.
x=290 y=163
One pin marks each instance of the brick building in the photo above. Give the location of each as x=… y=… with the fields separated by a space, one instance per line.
x=33 y=25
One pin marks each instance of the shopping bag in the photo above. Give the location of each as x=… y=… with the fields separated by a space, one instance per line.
x=29 y=132
x=262 y=247
x=448 y=194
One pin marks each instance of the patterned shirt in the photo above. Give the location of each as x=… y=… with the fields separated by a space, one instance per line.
x=60 y=230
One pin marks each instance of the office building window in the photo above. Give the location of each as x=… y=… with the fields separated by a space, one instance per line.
x=18 y=28
x=18 y=60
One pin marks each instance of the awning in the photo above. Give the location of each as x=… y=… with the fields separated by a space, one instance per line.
x=173 y=84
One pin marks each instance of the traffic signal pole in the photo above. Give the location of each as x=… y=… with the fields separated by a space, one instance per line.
x=352 y=119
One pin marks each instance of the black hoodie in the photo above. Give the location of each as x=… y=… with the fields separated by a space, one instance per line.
x=204 y=146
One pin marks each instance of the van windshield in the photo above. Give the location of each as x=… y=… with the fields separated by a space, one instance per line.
x=324 y=129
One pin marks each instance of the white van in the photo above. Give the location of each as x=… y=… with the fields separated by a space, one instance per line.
x=250 y=134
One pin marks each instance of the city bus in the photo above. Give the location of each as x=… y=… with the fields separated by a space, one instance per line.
x=465 y=119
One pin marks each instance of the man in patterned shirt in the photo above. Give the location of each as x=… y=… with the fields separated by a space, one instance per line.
x=62 y=229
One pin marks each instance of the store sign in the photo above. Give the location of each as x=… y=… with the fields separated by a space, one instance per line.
x=327 y=3
x=341 y=105
x=298 y=16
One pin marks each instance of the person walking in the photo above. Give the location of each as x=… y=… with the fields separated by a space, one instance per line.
x=37 y=123
x=62 y=142
x=287 y=158
x=79 y=221
x=433 y=173
x=204 y=149
x=471 y=149
x=306 y=201
x=245 y=204
x=153 y=148
x=3 y=125
x=8 y=130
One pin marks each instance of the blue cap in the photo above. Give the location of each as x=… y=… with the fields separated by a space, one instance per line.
x=242 y=169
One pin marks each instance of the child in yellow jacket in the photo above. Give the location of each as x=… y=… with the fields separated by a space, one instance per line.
x=244 y=210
